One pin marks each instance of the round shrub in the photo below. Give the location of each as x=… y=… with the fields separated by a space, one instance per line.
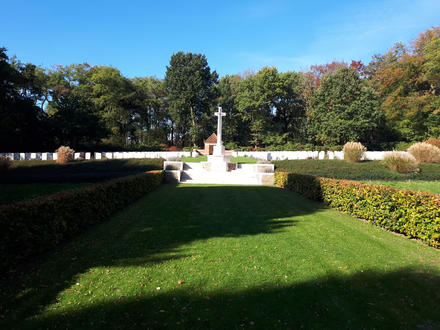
x=434 y=142
x=5 y=163
x=65 y=154
x=425 y=152
x=353 y=151
x=401 y=162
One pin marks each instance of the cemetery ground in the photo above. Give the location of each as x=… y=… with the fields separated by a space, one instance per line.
x=370 y=172
x=33 y=178
x=28 y=179
x=200 y=256
x=242 y=160
x=33 y=171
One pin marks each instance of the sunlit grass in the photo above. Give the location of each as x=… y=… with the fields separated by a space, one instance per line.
x=369 y=170
x=241 y=160
x=229 y=257
x=432 y=187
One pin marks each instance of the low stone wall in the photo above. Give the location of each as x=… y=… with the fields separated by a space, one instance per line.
x=298 y=155
x=169 y=155
x=98 y=155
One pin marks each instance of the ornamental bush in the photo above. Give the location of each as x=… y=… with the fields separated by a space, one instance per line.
x=413 y=213
x=425 y=152
x=353 y=151
x=64 y=155
x=401 y=162
x=34 y=226
x=434 y=142
x=5 y=163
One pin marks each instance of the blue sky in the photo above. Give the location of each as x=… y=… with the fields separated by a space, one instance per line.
x=139 y=37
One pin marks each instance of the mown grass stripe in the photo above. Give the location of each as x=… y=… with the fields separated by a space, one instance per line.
x=244 y=254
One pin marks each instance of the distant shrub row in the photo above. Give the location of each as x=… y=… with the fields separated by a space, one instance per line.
x=31 y=227
x=415 y=214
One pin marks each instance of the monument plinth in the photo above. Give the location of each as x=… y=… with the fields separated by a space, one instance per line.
x=218 y=169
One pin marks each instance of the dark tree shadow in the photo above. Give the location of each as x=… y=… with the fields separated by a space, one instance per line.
x=78 y=171
x=396 y=300
x=153 y=231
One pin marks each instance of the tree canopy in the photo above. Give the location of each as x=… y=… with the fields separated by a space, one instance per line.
x=395 y=97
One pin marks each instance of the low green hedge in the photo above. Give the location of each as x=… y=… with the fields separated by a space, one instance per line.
x=415 y=214
x=31 y=227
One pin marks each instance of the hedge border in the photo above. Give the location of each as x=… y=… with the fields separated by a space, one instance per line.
x=413 y=213
x=34 y=226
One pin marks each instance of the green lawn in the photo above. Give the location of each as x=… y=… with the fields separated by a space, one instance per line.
x=79 y=171
x=432 y=187
x=241 y=160
x=370 y=170
x=10 y=193
x=228 y=257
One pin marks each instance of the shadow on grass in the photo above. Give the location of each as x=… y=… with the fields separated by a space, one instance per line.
x=151 y=231
x=78 y=171
x=364 y=300
x=155 y=230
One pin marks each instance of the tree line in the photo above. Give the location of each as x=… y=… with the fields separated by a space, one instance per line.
x=394 y=98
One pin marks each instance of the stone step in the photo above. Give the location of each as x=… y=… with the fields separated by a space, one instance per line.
x=224 y=179
x=192 y=166
x=200 y=177
x=232 y=182
x=233 y=177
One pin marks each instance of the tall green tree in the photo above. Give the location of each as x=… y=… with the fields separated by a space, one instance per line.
x=114 y=97
x=75 y=124
x=153 y=124
x=273 y=106
x=255 y=100
x=23 y=125
x=343 y=110
x=190 y=87
x=290 y=105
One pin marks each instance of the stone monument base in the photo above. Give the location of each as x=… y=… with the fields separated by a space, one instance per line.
x=218 y=163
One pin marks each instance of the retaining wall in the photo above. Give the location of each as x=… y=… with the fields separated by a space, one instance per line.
x=97 y=155
x=264 y=155
x=295 y=155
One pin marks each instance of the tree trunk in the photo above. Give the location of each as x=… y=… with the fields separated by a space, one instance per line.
x=193 y=121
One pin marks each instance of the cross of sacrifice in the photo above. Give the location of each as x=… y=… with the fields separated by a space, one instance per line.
x=219 y=114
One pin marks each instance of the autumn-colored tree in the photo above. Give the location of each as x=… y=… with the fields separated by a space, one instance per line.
x=312 y=78
x=407 y=80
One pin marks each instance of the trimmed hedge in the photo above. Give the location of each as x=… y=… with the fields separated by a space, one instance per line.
x=34 y=226
x=415 y=214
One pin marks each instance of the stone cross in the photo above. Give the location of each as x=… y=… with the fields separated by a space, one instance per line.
x=219 y=114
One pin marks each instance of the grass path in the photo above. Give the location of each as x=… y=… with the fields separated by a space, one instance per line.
x=432 y=187
x=241 y=160
x=369 y=170
x=229 y=257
